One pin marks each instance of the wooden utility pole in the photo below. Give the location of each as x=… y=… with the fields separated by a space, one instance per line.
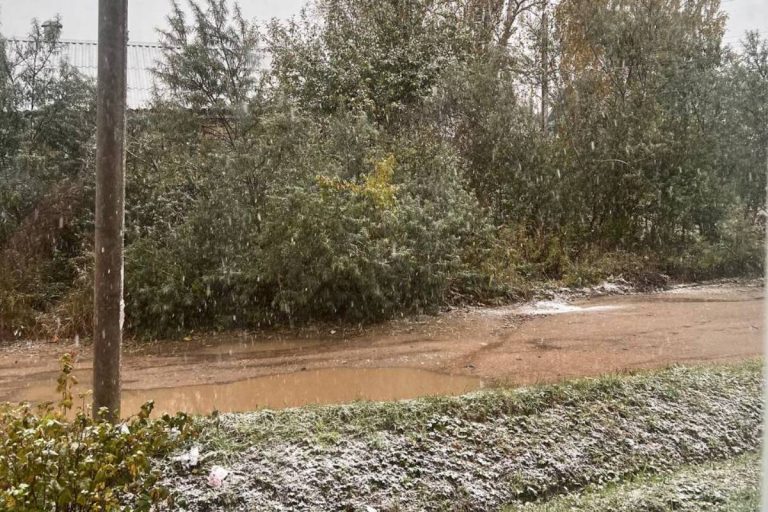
x=544 y=65
x=110 y=205
x=764 y=472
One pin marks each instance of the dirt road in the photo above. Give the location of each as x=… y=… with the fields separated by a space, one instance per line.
x=451 y=353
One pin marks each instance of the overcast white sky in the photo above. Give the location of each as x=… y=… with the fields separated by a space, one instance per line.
x=79 y=16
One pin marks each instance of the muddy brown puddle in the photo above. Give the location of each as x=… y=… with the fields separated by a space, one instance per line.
x=448 y=354
x=329 y=386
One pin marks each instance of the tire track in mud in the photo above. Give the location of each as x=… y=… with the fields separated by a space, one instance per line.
x=559 y=340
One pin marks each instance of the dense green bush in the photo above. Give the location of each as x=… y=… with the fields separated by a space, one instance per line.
x=47 y=116
x=261 y=198
x=739 y=251
x=384 y=231
x=368 y=249
x=39 y=262
x=54 y=458
x=47 y=124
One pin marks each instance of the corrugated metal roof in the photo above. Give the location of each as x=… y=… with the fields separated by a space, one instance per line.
x=83 y=55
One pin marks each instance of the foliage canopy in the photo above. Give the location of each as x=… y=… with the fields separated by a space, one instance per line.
x=371 y=158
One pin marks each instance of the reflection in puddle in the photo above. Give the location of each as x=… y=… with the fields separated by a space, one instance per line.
x=329 y=386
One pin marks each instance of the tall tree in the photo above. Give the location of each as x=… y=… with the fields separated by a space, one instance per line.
x=636 y=116
x=378 y=57
x=744 y=152
x=210 y=64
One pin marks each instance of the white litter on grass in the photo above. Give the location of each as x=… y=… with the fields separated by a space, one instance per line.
x=216 y=476
x=553 y=307
x=189 y=459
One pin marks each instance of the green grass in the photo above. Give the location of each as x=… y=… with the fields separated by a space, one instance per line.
x=724 y=486
x=622 y=392
x=519 y=447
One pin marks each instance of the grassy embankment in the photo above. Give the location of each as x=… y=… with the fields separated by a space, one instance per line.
x=655 y=439
x=732 y=485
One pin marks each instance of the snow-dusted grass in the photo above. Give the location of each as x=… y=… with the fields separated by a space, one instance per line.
x=477 y=452
x=723 y=486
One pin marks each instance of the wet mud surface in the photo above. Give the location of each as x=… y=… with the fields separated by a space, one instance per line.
x=452 y=353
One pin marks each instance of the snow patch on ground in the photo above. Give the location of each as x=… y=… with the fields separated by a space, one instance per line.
x=721 y=286
x=557 y=301
x=713 y=289
x=555 y=307
x=612 y=287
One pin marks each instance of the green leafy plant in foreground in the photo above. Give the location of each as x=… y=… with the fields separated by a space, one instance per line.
x=54 y=457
